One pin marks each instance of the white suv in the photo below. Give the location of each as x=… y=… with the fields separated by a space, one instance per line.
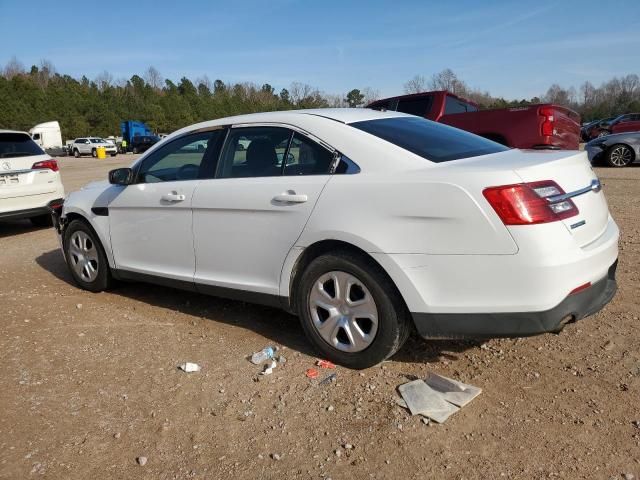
x=89 y=145
x=30 y=183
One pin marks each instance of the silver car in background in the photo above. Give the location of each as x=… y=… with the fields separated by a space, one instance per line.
x=617 y=150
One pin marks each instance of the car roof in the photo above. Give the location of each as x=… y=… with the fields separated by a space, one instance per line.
x=14 y=131
x=342 y=115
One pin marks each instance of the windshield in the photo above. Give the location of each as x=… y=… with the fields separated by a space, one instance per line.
x=97 y=140
x=14 y=145
x=431 y=140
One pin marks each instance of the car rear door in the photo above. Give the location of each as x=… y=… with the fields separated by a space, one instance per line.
x=151 y=220
x=247 y=219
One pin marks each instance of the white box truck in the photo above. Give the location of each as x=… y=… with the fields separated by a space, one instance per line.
x=48 y=136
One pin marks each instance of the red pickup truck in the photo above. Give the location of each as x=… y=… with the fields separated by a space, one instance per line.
x=545 y=126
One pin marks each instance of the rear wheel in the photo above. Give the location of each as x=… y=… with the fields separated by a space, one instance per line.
x=85 y=257
x=351 y=311
x=619 y=155
x=42 y=221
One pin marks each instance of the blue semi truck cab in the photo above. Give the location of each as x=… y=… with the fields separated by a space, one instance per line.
x=138 y=135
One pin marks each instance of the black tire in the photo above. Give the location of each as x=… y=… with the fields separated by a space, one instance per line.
x=113 y=154
x=103 y=280
x=94 y=153
x=76 y=153
x=393 y=318
x=619 y=155
x=135 y=150
x=42 y=221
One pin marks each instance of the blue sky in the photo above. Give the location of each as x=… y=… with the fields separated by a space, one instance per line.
x=514 y=49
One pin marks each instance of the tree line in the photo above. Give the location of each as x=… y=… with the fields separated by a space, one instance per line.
x=97 y=106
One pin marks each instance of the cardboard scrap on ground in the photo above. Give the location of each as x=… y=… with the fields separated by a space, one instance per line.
x=436 y=397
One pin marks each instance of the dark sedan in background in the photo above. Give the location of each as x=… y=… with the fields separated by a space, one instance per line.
x=617 y=150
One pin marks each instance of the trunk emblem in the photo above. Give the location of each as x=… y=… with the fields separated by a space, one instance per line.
x=579 y=224
x=6 y=165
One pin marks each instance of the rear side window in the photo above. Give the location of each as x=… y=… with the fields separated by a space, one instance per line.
x=419 y=106
x=306 y=157
x=13 y=145
x=434 y=141
x=381 y=105
x=455 y=105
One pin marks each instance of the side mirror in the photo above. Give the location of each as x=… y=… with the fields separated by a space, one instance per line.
x=121 y=176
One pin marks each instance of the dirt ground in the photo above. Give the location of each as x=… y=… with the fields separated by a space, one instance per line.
x=90 y=383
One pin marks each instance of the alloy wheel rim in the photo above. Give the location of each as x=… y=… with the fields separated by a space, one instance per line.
x=343 y=311
x=620 y=156
x=84 y=256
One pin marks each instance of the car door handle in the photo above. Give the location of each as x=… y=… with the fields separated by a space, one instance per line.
x=173 y=197
x=290 y=198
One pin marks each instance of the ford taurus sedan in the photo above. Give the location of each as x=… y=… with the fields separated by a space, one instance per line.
x=365 y=224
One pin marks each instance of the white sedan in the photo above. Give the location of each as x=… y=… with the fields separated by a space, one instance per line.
x=30 y=182
x=363 y=223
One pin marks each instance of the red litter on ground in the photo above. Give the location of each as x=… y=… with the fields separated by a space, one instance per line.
x=312 y=373
x=325 y=364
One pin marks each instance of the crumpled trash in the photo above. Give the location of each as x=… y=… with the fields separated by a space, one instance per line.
x=189 y=367
x=328 y=379
x=325 y=364
x=268 y=369
x=312 y=373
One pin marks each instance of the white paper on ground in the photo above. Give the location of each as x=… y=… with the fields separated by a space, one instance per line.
x=421 y=399
x=453 y=391
x=189 y=367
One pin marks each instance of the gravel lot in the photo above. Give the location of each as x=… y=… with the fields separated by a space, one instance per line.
x=90 y=383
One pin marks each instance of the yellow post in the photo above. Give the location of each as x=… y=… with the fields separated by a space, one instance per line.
x=102 y=154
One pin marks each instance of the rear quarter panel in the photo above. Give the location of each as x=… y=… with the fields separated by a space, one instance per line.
x=415 y=212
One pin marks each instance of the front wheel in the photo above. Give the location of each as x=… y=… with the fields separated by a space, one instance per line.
x=619 y=155
x=351 y=311
x=76 y=153
x=94 y=153
x=135 y=150
x=85 y=257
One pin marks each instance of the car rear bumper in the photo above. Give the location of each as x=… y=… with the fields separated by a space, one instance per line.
x=30 y=212
x=519 y=324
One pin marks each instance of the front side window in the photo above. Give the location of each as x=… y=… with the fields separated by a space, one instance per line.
x=185 y=158
x=254 y=152
x=419 y=106
x=306 y=157
x=434 y=141
x=13 y=145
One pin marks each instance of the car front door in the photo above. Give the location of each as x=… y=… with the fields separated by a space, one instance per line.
x=246 y=220
x=151 y=220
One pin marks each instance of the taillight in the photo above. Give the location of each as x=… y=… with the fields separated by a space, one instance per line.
x=547 y=123
x=530 y=203
x=45 y=164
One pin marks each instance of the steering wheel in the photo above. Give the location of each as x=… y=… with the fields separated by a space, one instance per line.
x=188 y=172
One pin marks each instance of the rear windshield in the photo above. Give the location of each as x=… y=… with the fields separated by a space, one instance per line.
x=14 y=145
x=431 y=140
